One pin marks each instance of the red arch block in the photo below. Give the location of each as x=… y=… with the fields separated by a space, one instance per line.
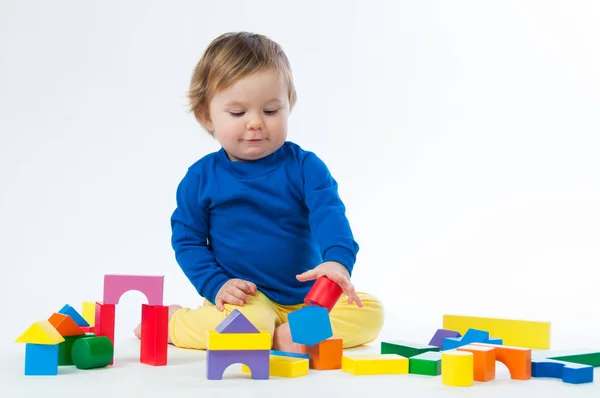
x=116 y=285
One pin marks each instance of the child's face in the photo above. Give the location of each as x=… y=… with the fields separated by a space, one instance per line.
x=249 y=118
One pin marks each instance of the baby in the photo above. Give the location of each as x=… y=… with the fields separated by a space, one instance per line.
x=258 y=221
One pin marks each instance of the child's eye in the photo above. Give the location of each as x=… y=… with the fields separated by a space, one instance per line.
x=271 y=112
x=237 y=114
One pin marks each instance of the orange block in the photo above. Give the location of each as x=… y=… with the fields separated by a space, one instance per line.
x=325 y=355
x=65 y=325
x=484 y=361
x=516 y=359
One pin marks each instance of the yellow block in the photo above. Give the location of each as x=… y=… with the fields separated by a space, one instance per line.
x=457 y=368
x=378 y=364
x=88 y=312
x=238 y=341
x=280 y=366
x=41 y=332
x=527 y=334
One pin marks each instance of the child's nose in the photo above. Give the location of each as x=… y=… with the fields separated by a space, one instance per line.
x=254 y=123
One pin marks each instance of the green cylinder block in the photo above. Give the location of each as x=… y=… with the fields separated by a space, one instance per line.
x=92 y=352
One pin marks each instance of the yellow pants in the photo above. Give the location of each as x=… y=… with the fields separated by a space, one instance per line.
x=356 y=326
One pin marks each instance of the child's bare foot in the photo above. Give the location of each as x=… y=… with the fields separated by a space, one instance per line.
x=172 y=309
x=282 y=339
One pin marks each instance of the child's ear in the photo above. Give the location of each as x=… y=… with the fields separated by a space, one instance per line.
x=203 y=117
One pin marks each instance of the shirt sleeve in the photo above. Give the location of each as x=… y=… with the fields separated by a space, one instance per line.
x=189 y=226
x=327 y=213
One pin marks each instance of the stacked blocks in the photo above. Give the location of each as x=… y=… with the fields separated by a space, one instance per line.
x=285 y=366
x=41 y=349
x=236 y=340
x=438 y=338
x=70 y=331
x=471 y=336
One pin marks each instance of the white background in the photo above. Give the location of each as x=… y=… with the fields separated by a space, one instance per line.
x=464 y=136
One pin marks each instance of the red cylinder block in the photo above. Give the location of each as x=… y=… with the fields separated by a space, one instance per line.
x=324 y=293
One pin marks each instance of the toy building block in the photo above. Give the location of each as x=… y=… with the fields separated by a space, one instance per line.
x=92 y=352
x=219 y=360
x=87 y=329
x=105 y=322
x=289 y=354
x=41 y=333
x=580 y=356
x=516 y=359
x=65 y=349
x=568 y=372
x=76 y=316
x=457 y=368
x=41 y=359
x=427 y=364
x=238 y=341
x=405 y=348
x=323 y=293
x=284 y=366
x=150 y=286
x=484 y=361
x=310 y=325
x=65 y=325
x=155 y=331
x=325 y=355
x=516 y=333
x=438 y=338
x=88 y=311
x=236 y=322
x=378 y=364
x=471 y=336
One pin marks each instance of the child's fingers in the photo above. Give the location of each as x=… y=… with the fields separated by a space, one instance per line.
x=238 y=293
x=231 y=299
x=245 y=286
x=219 y=304
x=308 y=275
x=343 y=282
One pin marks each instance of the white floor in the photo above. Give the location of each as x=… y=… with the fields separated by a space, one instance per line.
x=185 y=376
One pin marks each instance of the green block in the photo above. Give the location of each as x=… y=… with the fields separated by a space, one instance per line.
x=405 y=349
x=92 y=352
x=65 y=348
x=428 y=364
x=591 y=358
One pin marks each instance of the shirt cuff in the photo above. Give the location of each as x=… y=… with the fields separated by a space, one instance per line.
x=341 y=255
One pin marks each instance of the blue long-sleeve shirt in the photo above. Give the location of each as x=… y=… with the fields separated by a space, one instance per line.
x=264 y=221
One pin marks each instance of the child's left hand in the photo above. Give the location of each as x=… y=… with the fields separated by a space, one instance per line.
x=338 y=274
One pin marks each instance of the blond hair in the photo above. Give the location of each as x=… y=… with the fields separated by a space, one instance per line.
x=229 y=58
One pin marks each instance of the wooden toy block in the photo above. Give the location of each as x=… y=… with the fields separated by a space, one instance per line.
x=41 y=359
x=484 y=361
x=105 y=322
x=323 y=293
x=428 y=364
x=517 y=333
x=457 y=368
x=310 y=325
x=76 y=316
x=580 y=356
x=155 y=334
x=87 y=329
x=471 y=336
x=92 y=352
x=65 y=325
x=568 y=372
x=150 y=286
x=516 y=359
x=218 y=361
x=236 y=322
x=405 y=348
x=65 y=349
x=289 y=354
x=284 y=366
x=438 y=338
x=238 y=341
x=41 y=333
x=378 y=364
x=326 y=355
x=88 y=311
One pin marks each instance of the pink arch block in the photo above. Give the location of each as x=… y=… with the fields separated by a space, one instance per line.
x=116 y=285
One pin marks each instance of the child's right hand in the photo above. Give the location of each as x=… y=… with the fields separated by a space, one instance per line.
x=234 y=291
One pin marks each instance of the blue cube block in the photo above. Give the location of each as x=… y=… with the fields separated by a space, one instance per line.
x=310 y=325
x=41 y=359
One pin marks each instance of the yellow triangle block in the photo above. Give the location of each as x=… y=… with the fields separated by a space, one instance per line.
x=41 y=332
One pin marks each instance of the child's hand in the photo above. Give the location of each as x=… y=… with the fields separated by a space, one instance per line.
x=234 y=291
x=338 y=274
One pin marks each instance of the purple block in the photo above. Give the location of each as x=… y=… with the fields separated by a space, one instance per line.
x=236 y=322
x=438 y=338
x=219 y=360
